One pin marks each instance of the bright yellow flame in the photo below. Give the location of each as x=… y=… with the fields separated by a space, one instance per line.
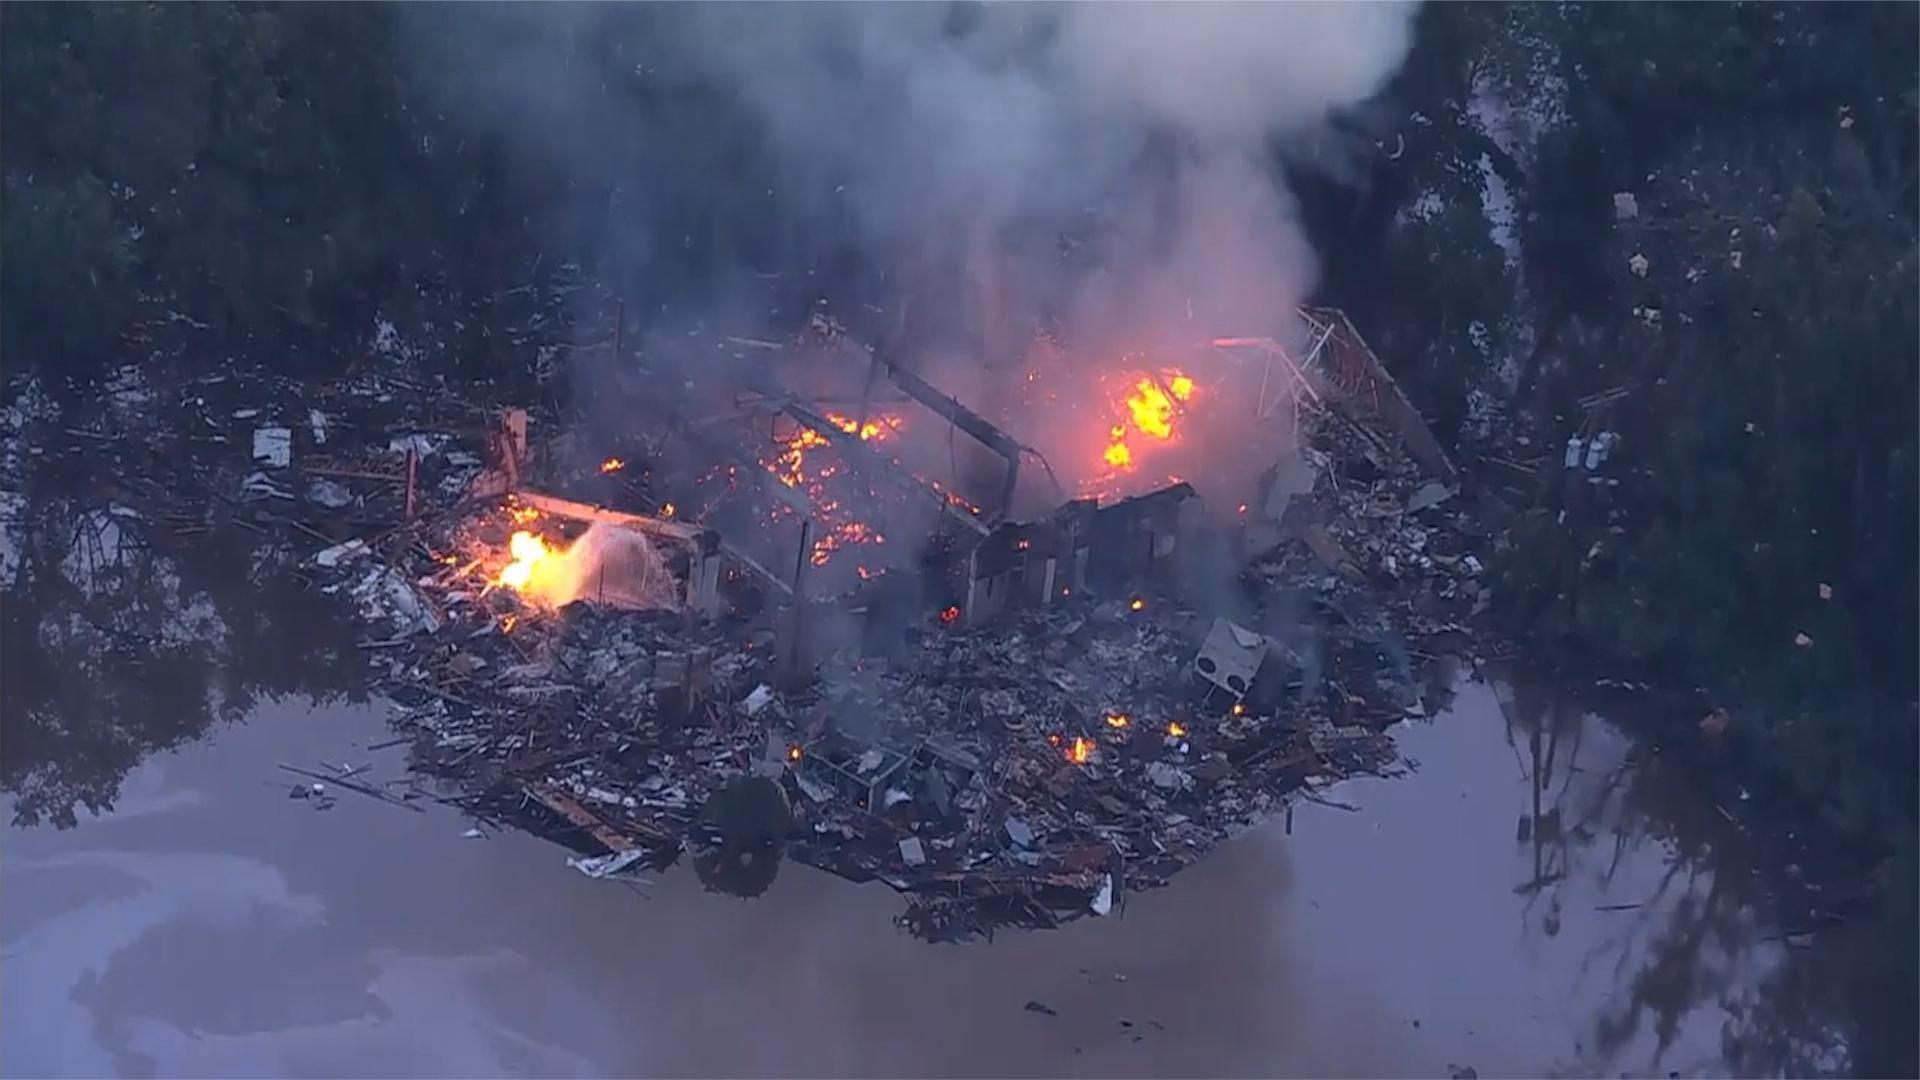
x=1081 y=751
x=1239 y=709
x=867 y=431
x=666 y=511
x=1138 y=604
x=612 y=464
x=1151 y=409
x=1118 y=720
x=1177 y=729
x=528 y=552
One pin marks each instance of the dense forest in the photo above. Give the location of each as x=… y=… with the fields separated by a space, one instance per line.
x=1690 y=229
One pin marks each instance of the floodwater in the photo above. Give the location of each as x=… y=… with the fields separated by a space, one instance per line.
x=1519 y=905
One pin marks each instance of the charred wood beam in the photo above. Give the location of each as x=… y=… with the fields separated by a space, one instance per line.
x=982 y=430
x=705 y=539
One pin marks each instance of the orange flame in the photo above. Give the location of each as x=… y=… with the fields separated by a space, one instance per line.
x=1150 y=407
x=950 y=615
x=1177 y=730
x=868 y=431
x=790 y=465
x=847 y=532
x=1117 y=455
x=612 y=464
x=1150 y=412
x=1081 y=751
x=1137 y=604
x=1118 y=720
x=528 y=552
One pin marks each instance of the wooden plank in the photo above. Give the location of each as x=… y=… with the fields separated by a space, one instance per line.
x=563 y=804
x=579 y=511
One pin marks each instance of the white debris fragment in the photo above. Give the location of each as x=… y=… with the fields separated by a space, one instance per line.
x=1169 y=777
x=317 y=421
x=761 y=697
x=329 y=493
x=421 y=445
x=382 y=593
x=1625 y=206
x=1019 y=832
x=601 y=867
x=1638 y=264
x=1103 y=900
x=1599 y=448
x=273 y=445
x=340 y=553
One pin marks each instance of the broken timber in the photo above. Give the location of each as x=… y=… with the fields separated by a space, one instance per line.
x=963 y=418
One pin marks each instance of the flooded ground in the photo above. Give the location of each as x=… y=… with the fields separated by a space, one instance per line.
x=1462 y=916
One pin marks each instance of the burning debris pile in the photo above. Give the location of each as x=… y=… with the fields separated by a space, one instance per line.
x=1028 y=726
x=1021 y=772
x=1029 y=770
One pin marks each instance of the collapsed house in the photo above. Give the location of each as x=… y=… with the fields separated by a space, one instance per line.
x=1013 y=723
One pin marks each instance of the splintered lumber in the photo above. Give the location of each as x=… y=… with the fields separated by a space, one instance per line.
x=579 y=511
x=567 y=807
x=950 y=408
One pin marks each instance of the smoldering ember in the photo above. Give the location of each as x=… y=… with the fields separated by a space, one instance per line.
x=843 y=616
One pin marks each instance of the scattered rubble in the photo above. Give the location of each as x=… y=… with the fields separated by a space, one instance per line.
x=1053 y=727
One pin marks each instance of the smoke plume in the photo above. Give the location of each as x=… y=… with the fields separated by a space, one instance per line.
x=1100 y=178
x=970 y=138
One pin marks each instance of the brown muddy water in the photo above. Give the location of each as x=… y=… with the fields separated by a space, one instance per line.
x=1520 y=905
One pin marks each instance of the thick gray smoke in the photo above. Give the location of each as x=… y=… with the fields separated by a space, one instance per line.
x=1104 y=175
x=956 y=132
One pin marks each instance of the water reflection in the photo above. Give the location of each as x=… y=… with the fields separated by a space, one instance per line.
x=1682 y=929
x=740 y=842
x=121 y=636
